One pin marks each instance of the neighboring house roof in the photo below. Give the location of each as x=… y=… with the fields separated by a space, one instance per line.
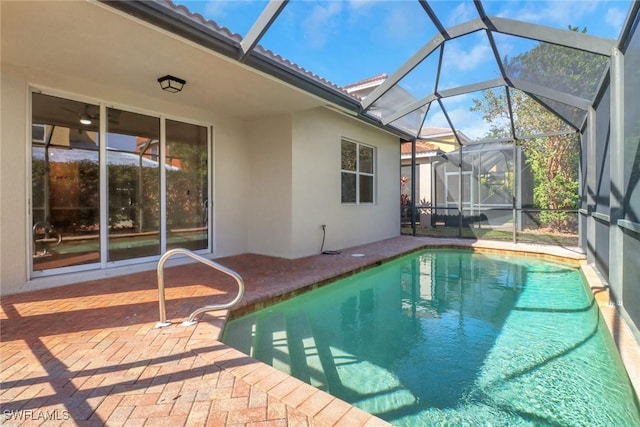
x=362 y=88
x=432 y=131
x=442 y=134
x=421 y=147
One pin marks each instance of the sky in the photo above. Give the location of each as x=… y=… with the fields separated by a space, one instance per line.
x=344 y=41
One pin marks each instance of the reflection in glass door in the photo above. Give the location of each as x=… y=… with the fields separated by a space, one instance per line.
x=65 y=201
x=186 y=185
x=133 y=174
x=109 y=185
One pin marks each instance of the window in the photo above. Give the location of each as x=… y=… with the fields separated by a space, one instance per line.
x=357 y=172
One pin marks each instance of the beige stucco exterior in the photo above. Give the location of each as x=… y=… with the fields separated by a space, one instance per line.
x=275 y=165
x=317 y=136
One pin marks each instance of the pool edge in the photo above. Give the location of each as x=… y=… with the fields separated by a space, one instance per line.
x=626 y=344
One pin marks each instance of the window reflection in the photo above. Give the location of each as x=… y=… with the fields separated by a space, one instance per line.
x=134 y=185
x=67 y=209
x=187 y=187
x=65 y=182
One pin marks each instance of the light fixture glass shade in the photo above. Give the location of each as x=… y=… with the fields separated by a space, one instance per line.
x=171 y=84
x=85 y=120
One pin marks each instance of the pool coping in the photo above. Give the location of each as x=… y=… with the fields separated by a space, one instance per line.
x=280 y=385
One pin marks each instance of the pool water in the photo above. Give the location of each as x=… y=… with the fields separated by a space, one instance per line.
x=448 y=337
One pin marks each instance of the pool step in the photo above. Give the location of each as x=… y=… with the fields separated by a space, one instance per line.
x=305 y=360
x=243 y=336
x=270 y=342
x=291 y=345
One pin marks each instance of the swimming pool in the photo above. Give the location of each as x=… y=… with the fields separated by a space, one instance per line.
x=451 y=337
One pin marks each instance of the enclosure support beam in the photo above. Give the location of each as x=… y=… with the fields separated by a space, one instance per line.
x=460 y=188
x=591 y=184
x=514 y=194
x=413 y=186
x=616 y=166
x=419 y=56
x=572 y=39
x=260 y=26
x=539 y=90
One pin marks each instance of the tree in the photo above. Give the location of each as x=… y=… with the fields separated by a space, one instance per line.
x=553 y=159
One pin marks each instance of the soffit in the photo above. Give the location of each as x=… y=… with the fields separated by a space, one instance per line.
x=90 y=41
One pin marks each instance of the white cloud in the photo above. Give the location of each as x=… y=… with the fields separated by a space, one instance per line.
x=615 y=17
x=469 y=123
x=466 y=58
x=464 y=12
x=561 y=13
x=319 y=25
x=215 y=9
x=459 y=111
x=396 y=24
x=463 y=120
x=360 y=4
x=218 y=9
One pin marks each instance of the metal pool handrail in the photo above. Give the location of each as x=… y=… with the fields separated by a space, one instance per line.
x=161 y=297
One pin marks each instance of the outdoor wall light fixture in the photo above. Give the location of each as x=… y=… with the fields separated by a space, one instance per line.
x=171 y=84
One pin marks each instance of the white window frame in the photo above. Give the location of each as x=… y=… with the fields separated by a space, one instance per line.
x=358 y=173
x=103 y=263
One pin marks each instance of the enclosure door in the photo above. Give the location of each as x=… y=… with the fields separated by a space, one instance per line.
x=452 y=189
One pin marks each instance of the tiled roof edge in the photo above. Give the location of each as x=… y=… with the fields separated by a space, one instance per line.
x=296 y=67
x=196 y=17
x=199 y=19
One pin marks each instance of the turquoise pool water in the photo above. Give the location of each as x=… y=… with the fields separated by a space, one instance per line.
x=450 y=337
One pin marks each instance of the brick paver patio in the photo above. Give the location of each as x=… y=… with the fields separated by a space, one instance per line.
x=89 y=354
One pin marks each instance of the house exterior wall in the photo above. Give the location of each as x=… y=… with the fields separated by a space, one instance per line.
x=13 y=184
x=229 y=158
x=275 y=156
x=275 y=180
x=269 y=202
x=317 y=136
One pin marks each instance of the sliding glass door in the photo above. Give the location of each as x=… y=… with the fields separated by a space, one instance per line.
x=113 y=186
x=65 y=202
x=133 y=174
x=187 y=186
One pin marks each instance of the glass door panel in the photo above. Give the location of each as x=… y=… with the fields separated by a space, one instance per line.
x=186 y=185
x=65 y=202
x=133 y=173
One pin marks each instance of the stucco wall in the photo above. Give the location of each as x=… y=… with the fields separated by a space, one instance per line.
x=269 y=170
x=317 y=136
x=230 y=155
x=13 y=185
